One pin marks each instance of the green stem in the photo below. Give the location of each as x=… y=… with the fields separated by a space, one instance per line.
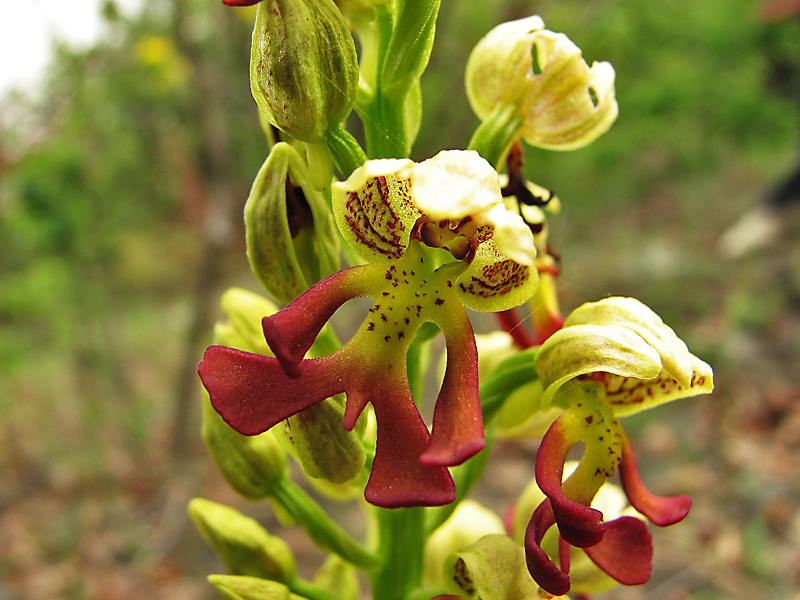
x=401 y=545
x=465 y=476
x=320 y=527
x=383 y=116
x=345 y=150
x=496 y=133
x=304 y=588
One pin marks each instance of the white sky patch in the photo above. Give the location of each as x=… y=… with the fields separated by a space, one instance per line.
x=29 y=27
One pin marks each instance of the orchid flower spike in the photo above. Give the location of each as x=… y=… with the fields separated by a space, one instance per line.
x=438 y=238
x=612 y=358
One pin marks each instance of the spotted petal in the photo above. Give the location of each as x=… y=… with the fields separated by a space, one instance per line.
x=374 y=210
x=633 y=315
x=585 y=349
x=493 y=281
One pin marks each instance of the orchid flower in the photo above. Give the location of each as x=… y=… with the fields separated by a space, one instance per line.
x=612 y=358
x=437 y=238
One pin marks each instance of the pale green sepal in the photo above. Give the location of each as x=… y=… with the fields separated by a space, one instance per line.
x=285 y=265
x=241 y=543
x=238 y=587
x=493 y=568
x=585 y=349
x=303 y=66
x=632 y=314
x=252 y=465
x=339 y=578
x=628 y=396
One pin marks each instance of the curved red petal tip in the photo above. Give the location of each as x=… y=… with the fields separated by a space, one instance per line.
x=579 y=525
x=662 y=511
x=287 y=354
x=626 y=552
x=291 y=331
x=457 y=432
x=240 y=2
x=399 y=478
x=543 y=570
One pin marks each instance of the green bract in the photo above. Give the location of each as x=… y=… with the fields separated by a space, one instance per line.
x=291 y=238
x=303 y=66
x=240 y=587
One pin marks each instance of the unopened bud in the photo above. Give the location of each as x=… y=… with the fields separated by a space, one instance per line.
x=339 y=578
x=291 y=236
x=241 y=543
x=252 y=465
x=469 y=522
x=316 y=438
x=241 y=587
x=303 y=66
x=243 y=330
x=492 y=567
x=563 y=103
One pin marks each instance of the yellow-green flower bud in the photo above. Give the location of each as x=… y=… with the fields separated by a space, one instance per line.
x=339 y=578
x=243 y=330
x=316 y=438
x=252 y=465
x=303 y=66
x=469 y=522
x=240 y=587
x=241 y=543
x=561 y=102
x=493 y=568
x=291 y=236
